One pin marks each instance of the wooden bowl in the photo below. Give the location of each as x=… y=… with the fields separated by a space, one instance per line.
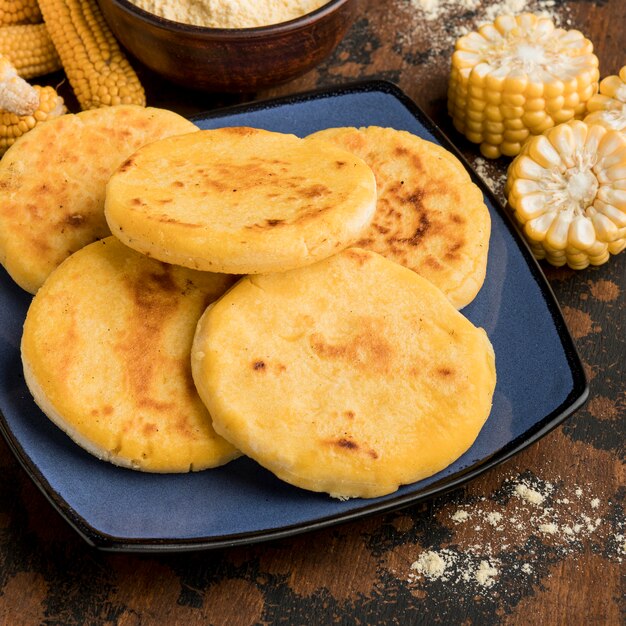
x=239 y=60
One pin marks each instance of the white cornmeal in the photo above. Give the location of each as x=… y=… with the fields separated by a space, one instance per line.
x=460 y=516
x=229 y=13
x=562 y=517
x=485 y=574
x=527 y=493
x=461 y=17
x=432 y=564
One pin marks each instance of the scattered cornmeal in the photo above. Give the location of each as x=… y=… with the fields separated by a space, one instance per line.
x=429 y=217
x=567 y=189
x=517 y=77
x=106 y=354
x=351 y=376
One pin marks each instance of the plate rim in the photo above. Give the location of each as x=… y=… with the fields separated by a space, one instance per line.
x=572 y=403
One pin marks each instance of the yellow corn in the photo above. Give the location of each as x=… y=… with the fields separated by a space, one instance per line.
x=608 y=107
x=12 y=126
x=30 y=49
x=567 y=189
x=16 y=95
x=23 y=106
x=19 y=12
x=96 y=68
x=518 y=77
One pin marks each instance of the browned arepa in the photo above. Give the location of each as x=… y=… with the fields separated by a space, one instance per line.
x=351 y=376
x=53 y=179
x=430 y=217
x=106 y=355
x=240 y=200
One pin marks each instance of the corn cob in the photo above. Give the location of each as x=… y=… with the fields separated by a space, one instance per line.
x=608 y=107
x=567 y=189
x=23 y=106
x=518 y=77
x=16 y=95
x=96 y=68
x=30 y=49
x=19 y=12
x=50 y=105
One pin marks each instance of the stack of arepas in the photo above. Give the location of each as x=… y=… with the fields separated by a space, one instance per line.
x=294 y=300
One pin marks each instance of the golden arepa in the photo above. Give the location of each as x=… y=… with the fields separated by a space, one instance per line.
x=106 y=355
x=430 y=217
x=52 y=183
x=240 y=200
x=351 y=376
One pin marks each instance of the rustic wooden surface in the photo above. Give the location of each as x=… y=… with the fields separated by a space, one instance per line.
x=557 y=562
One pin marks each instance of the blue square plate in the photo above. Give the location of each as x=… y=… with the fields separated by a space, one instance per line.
x=540 y=383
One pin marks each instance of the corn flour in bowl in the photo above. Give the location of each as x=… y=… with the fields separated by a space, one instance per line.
x=229 y=13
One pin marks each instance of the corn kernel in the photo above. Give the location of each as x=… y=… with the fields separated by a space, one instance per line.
x=513 y=99
x=493 y=127
x=511 y=112
x=532 y=119
x=510 y=148
x=563 y=115
x=511 y=124
x=516 y=136
x=474 y=126
x=494 y=139
x=553 y=89
x=476 y=92
x=474 y=137
x=534 y=90
x=475 y=104
x=537 y=104
x=571 y=101
x=476 y=116
x=493 y=113
x=615 y=247
x=494 y=82
x=493 y=97
x=490 y=152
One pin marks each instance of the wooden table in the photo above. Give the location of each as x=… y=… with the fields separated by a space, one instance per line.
x=504 y=556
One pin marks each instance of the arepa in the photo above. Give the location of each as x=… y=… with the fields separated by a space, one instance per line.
x=52 y=183
x=351 y=376
x=240 y=200
x=106 y=355
x=430 y=217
